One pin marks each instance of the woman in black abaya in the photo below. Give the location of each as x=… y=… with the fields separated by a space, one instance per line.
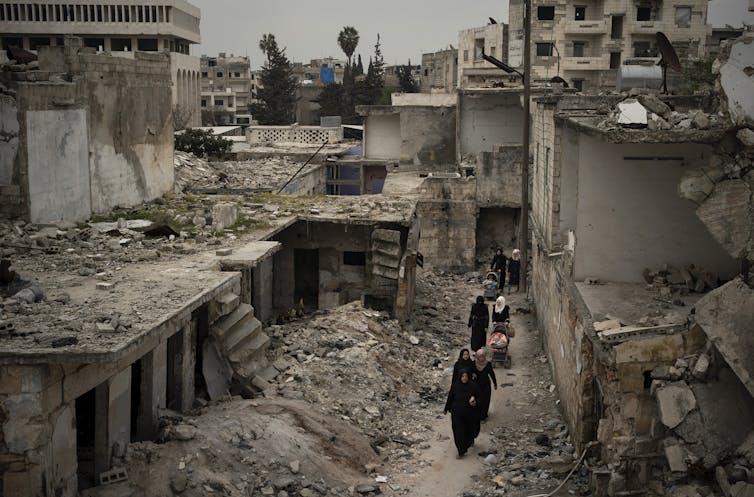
x=484 y=373
x=479 y=320
x=464 y=362
x=462 y=404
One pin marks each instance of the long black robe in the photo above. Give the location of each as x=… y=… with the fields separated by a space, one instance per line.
x=498 y=265
x=482 y=378
x=514 y=271
x=464 y=417
x=479 y=320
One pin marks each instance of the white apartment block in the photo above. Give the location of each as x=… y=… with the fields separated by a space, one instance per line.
x=226 y=90
x=117 y=26
x=586 y=41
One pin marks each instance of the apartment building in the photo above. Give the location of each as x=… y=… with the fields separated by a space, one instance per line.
x=117 y=26
x=439 y=71
x=226 y=90
x=586 y=41
x=473 y=70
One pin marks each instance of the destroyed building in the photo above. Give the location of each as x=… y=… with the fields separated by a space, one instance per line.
x=119 y=27
x=640 y=211
x=103 y=122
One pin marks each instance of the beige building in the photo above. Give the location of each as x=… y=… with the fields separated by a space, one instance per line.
x=586 y=41
x=226 y=90
x=473 y=70
x=119 y=27
x=439 y=71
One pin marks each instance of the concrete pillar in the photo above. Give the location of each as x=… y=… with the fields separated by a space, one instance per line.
x=189 y=363
x=152 y=391
x=108 y=46
x=101 y=429
x=119 y=413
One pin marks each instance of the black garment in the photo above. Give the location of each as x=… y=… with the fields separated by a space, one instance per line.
x=514 y=270
x=479 y=320
x=498 y=262
x=482 y=379
x=461 y=365
x=464 y=417
x=502 y=316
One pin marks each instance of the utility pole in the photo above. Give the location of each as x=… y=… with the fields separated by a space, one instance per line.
x=524 y=237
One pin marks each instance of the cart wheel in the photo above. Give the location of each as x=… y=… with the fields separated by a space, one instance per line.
x=507 y=362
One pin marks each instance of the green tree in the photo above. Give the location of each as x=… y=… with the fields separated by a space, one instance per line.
x=359 y=68
x=348 y=39
x=406 y=79
x=277 y=92
x=375 y=78
x=332 y=101
x=202 y=143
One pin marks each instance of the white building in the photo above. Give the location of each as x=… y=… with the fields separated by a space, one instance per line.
x=119 y=27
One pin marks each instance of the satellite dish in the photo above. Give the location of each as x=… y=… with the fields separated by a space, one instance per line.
x=668 y=58
x=558 y=79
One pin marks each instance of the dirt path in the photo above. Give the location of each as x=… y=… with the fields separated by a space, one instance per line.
x=442 y=473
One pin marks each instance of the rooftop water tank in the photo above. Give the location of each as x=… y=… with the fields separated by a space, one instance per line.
x=639 y=76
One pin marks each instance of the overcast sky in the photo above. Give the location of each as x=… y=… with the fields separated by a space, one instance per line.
x=408 y=28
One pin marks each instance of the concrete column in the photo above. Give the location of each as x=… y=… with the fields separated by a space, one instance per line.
x=119 y=413
x=189 y=362
x=108 y=46
x=152 y=390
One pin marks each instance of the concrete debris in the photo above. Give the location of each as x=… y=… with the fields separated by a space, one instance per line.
x=727 y=216
x=736 y=83
x=746 y=137
x=676 y=456
x=653 y=103
x=675 y=401
x=632 y=113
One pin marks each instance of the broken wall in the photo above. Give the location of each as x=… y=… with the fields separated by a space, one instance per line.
x=487 y=119
x=382 y=136
x=447 y=215
x=629 y=215
x=498 y=177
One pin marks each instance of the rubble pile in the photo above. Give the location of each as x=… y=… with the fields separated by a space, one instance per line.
x=642 y=109
x=193 y=174
x=669 y=280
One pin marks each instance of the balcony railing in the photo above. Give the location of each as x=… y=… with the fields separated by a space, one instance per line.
x=598 y=63
x=586 y=27
x=647 y=27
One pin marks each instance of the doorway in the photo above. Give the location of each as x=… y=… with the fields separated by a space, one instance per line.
x=306 y=277
x=496 y=227
x=85 y=422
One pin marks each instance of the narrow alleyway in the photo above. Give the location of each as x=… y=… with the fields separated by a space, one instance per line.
x=524 y=406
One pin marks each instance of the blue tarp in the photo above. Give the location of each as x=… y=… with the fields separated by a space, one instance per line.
x=327 y=75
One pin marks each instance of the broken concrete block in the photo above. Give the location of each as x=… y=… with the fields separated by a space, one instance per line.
x=736 y=82
x=653 y=103
x=700 y=120
x=676 y=456
x=675 y=401
x=632 y=113
x=105 y=328
x=103 y=285
x=609 y=324
x=224 y=215
x=726 y=215
x=684 y=123
x=701 y=367
x=223 y=252
x=746 y=137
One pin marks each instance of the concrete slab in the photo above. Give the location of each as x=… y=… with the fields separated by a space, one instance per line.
x=249 y=255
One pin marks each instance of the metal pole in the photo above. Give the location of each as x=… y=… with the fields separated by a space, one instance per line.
x=524 y=237
x=302 y=167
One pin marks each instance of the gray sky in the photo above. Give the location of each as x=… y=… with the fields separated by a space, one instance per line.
x=408 y=28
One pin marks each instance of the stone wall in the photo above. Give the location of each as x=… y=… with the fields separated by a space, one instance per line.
x=488 y=118
x=498 y=177
x=447 y=218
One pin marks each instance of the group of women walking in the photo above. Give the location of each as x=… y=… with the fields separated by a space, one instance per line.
x=469 y=397
x=473 y=379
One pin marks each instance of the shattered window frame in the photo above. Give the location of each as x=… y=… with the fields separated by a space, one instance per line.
x=683 y=16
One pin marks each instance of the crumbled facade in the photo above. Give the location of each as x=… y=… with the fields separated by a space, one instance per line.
x=89 y=132
x=439 y=71
x=592 y=39
x=473 y=70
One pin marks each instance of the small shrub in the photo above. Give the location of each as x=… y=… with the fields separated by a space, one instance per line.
x=202 y=143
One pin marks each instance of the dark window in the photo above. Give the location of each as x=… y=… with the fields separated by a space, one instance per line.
x=97 y=43
x=643 y=14
x=242 y=120
x=546 y=13
x=426 y=72
x=614 y=60
x=544 y=49
x=616 y=30
x=12 y=41
x=219 y=74
x=35 y=43
x=237 y=74
x=578 y=84
x=211 y=62
x=580 y=13
x=204 y=74
x=578 y=48
x=204 y=102
x=148 y=45
x=121 y=45
x=219 y=102
x=355 y=258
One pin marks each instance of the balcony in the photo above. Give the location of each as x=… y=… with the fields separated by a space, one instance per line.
x=595 y=27
x=598 y=63
x=646 y=27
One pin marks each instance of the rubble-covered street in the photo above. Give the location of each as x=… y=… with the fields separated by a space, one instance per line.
x=357 y=410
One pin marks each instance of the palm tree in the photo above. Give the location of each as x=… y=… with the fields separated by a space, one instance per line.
x=348 y=39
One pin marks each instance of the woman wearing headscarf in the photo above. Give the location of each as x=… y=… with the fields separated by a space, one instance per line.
x=462 y=404
x=514 y=270
x=500 y=311
x=464 y=362
x=479 y=320
x=484 y=373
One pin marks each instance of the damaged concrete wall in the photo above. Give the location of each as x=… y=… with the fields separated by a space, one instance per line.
x=382 y=136
x=447 y=216
x=9 y=132
x=736 y=81
x=488 y=119
x=629 y=215
x=498 y=177
x=428 y=136
x=311 y=182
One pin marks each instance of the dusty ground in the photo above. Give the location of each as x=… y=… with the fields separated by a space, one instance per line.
x=359 y=411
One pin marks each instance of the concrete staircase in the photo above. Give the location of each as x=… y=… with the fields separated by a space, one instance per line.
x=242 y=341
